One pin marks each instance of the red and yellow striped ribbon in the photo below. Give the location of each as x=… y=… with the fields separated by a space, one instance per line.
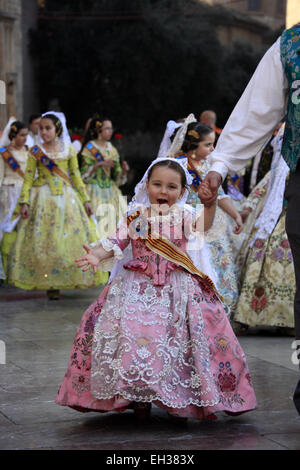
x=163 y=247
x=12 y=162
x=48 y=163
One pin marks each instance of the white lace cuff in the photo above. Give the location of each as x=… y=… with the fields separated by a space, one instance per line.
x=223 y=196
x=107 y=264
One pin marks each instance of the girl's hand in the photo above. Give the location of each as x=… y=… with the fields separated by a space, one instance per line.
x=239 y=224
x=88 y=209
x=244 y=213
x=90 y=260
x=24 y=211
x=125 y=167
x=108 y=163
x=206 y=195
x=97 y=165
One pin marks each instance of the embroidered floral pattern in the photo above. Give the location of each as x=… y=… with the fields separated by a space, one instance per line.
x=268 y=285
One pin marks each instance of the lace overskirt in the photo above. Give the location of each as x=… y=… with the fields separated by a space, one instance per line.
x=172 y=345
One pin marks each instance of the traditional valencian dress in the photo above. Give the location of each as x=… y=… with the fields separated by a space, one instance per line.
x=51 y=238
x=222 y=247
x=12 y=170
x=158 y=332
x=267 y=270
x=107 y=201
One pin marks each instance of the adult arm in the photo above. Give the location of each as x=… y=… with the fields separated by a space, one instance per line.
x=260 y=108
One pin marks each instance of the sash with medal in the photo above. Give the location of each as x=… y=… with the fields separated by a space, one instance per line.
x=97 y=156
x=11 y=161
x=48 y=163
x=165 y=248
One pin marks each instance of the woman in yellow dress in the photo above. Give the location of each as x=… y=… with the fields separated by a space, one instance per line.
x=103 y=174
x=13 y=159
x=55 y=223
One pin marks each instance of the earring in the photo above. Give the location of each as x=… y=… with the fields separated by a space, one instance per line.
x=193 y=156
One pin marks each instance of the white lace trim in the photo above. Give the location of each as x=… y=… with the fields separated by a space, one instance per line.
x=63 y=154
x=270 y=214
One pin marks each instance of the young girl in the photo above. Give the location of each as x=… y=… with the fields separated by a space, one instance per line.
x=195 y=141
x=158 y=332
x=102 y=172
x=55 y=220
x=13 y=159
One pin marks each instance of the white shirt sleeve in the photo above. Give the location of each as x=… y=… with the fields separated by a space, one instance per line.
x=29 y=141
x=261 y=107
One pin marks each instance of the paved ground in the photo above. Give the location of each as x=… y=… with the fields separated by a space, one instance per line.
x=38 y=335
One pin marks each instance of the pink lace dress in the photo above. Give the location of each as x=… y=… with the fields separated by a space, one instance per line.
x=156 y=334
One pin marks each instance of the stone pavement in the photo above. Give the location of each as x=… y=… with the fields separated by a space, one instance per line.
x=38 y=335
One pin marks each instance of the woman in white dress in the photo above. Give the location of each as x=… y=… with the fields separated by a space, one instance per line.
x=13 y=159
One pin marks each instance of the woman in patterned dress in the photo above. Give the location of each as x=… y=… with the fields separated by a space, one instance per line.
x=54 y=217
x=103 y=173
x=13 y=159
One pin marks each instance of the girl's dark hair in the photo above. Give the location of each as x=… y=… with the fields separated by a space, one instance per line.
x=15 y=128
x=57 y=123
x=92 y=133
x=195 y=133
x=173 y=165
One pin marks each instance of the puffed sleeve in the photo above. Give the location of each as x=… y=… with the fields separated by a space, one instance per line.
x=116 y=243
x=75 y=175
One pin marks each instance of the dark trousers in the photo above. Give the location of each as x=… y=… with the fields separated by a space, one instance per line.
x=292 y=195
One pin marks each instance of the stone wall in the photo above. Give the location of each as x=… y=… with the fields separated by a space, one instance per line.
x=11 y=62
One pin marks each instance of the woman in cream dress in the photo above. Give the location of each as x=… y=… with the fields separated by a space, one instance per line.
x=13 y=159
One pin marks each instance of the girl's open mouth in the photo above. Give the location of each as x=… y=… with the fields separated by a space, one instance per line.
x=162 y=201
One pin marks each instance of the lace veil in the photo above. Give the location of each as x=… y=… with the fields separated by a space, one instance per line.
x=4 y=140
x=65 y=138
x=179 y=137
x=166 y=141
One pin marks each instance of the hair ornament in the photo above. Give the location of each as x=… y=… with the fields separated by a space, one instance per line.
x=194 y=134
